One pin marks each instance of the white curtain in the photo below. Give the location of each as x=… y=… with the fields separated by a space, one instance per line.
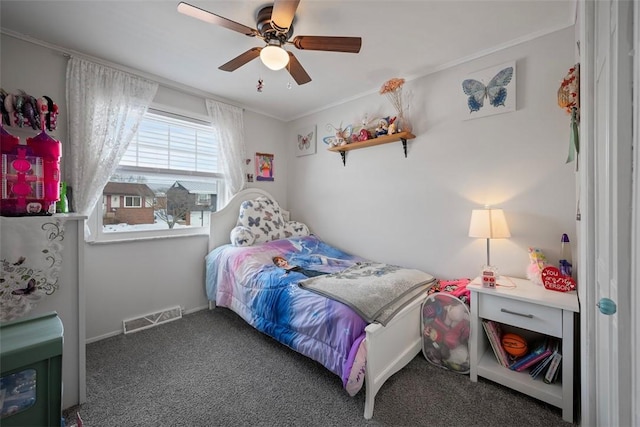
x=228 y=123
x=105 y=107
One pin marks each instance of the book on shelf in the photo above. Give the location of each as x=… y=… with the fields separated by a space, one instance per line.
x=554 y=366
x=534 y=356
x=540 y=367
x=494 y=334
x=492 y=342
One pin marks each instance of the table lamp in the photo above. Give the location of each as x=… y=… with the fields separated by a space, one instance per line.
x=488 y=224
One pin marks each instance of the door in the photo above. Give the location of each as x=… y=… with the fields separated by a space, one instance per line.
x=612 y=185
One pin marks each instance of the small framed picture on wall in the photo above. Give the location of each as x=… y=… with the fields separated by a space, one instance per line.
x=306 y=141
x=264 y=167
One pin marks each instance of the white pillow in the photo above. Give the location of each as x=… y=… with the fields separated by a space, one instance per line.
x=263 y=218
x=295 y=229
x=242 y=236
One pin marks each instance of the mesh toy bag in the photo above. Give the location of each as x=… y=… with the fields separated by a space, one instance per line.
x=445 y=329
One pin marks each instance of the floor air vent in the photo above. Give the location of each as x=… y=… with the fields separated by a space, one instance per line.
x=151 y=320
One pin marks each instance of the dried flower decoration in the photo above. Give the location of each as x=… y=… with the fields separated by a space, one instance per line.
x=391 y=85
x=392 y=88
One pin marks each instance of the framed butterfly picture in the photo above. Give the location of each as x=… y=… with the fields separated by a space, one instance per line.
x=306 y=141
x=489 y=91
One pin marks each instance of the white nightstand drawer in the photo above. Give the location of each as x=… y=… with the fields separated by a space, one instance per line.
x=534 y=317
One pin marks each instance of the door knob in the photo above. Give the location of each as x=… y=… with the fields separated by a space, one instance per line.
x=606 y=306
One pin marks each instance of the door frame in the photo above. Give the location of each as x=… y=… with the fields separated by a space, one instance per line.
x=586 y=225
x=635 y=225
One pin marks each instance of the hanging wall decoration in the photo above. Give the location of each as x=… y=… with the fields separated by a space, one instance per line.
x=264 y=167
x=569 y=100
x=31 y=262
x=490 y=91
x=24 y=110
x=306 y=143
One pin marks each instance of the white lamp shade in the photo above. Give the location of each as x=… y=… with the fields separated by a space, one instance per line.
x=274 y=57
x=488 y=224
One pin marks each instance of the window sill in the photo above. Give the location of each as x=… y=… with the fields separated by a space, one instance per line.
x=139 y=237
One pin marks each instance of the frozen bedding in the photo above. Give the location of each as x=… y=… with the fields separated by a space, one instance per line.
x=261 y=284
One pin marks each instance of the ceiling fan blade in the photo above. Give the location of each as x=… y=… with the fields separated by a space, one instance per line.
x=241 y=59
x=297 y=72
x=328 y=43
x=212 y=18
x=283 y=13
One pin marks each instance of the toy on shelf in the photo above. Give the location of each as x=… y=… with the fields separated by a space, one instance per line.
x=537 y=262
x=342 y=136
x=383 y=127
x=514 y=344
x=24 y=110
x=564 y=264
x=30 y=174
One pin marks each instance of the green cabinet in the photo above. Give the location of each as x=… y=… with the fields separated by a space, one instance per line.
x=31 y=371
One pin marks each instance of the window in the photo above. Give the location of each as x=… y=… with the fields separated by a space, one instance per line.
x=203 y=199
x=169 y=174
x=132 y=202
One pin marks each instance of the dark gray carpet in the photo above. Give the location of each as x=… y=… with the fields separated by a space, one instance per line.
x=212 y=369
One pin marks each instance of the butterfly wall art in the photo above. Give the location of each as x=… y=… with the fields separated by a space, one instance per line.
x=490 y=91
x=306 y=142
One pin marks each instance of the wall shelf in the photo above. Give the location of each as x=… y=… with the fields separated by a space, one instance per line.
x=386 y=139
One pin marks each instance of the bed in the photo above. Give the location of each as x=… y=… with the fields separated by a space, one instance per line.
x=290 y=285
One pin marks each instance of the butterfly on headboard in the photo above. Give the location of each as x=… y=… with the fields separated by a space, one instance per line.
x=496 y=90
x=304 y=142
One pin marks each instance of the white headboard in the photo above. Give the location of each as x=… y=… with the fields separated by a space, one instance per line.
x=223 y=221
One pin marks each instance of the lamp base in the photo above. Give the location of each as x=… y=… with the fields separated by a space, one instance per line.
x=489 y=276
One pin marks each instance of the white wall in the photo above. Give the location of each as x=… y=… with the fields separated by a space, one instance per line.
x=415 y=211
x=126 y=280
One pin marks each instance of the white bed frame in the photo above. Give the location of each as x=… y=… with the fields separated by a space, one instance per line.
x=389 y=348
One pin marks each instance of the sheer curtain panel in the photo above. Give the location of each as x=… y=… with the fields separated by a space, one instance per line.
x=105 y=106
x=228 y=123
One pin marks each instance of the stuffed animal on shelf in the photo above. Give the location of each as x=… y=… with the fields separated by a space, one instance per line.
x=537 y=263
x=383 y=127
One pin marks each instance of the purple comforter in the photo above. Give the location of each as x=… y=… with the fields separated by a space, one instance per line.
x=260 y=283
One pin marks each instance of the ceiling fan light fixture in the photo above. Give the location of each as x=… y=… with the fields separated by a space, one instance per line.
x=274 y=57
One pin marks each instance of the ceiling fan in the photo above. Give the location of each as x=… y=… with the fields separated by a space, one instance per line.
x=274 y=26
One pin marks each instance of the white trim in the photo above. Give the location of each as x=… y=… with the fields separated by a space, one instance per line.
x=103 y=337
x=119 y=332
x=82 y=317
x=586 y=226
x=446 y=66
x=196 y=309
x=160 y=80
x=197 y=92
x=635 y=224
x=139 y=236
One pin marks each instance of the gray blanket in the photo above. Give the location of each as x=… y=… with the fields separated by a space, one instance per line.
x=375 y=291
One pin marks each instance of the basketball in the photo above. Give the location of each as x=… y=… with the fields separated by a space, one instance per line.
x=514 y=344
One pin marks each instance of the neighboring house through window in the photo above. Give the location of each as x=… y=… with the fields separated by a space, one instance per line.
x=167 y=181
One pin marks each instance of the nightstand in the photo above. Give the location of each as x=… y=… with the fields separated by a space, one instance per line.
x=519 y=303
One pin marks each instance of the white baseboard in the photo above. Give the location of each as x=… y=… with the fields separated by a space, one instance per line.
x=119 y=332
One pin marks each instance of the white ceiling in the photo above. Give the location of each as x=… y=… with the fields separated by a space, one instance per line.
x=399 y=39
